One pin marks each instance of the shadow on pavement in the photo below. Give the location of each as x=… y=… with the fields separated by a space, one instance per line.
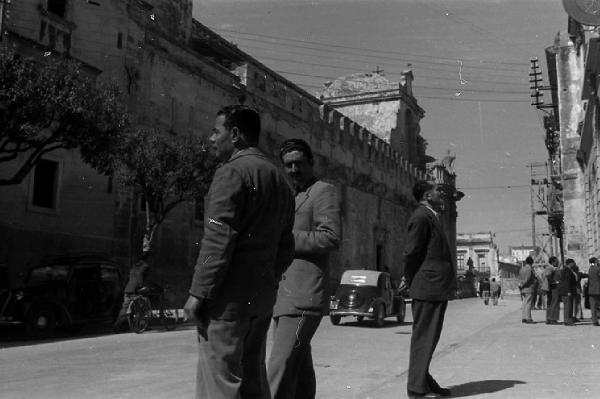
x=485 y=386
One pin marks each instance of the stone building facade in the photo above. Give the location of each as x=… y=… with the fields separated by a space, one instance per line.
x=176 y=74
x=481 y=249
x=573 y=64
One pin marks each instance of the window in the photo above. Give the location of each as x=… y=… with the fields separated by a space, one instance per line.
x=45 y=182
x=460 y=261
x=481 y=263
x=57 y=7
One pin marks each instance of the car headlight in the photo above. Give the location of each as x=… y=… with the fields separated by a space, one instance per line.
x=370 y=309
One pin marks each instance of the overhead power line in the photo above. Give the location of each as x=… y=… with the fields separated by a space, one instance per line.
x=370 y=50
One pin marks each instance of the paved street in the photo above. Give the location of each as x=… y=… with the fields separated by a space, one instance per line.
x=483 y=353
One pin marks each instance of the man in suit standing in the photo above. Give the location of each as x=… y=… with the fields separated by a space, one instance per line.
x=551 y=275
x=567 y=288
x=594 y=289
x=430 y=274
x=247 y=244
x=303 y=295
x=527 y=286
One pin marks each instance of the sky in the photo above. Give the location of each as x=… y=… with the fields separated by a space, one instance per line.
x=470 y=59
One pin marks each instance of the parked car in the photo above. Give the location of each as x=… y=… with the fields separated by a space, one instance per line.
x=366 y=293
x=65 y=291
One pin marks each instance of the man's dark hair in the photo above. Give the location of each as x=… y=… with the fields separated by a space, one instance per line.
x=569 y=261
x=593 y=259
x=420 y=188
x=552 y=259
x=244 y=118
x=529 y=260
x=296 y=145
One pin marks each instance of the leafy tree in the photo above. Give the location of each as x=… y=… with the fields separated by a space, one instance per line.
x=166 y=170
x=51 y=105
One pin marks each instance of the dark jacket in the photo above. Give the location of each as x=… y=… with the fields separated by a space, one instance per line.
x=304 y=286
x=567 y=283
x=247 y=240
x=594 y=280
x=428 y=265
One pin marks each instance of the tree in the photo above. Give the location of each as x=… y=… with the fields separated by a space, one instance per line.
x=51 y=105
x=165 y=169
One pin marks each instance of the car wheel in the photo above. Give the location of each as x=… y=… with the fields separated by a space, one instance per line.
x=401 y=311
x=41 y=321
x=380 y=315
x=335 y=320
x=360 y=318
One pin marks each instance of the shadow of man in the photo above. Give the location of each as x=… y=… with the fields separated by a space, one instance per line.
x=485 y=386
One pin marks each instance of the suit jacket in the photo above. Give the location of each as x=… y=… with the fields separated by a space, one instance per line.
x=247 y=240
x=594 y=280
x=568 y=282
x=304 y=286
x=527 y=280
x=428 y=265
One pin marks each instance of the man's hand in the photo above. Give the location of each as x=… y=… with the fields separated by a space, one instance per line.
x=194 y=311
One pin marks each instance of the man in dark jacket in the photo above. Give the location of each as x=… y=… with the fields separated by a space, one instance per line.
x=567 y=288
x=527 y=286
x=594 y=289
x=430 y=273
x=247 y=244
x=552 y=276
x=303 y=295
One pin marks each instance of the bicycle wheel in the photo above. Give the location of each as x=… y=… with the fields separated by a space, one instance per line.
x=139 y=315
x=169 y=316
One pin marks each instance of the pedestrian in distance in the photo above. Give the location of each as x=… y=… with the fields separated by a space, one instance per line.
x=594 y=289
x=247 y=244
x=430 y=274
x=540 y=301
x=303 y=295
x=552 y=276
x=138 y=275
x=496 y=291
x=527 y=286
x=577 y=307
x=484 y=290
x=567 y=288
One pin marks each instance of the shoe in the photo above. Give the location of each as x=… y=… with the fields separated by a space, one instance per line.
x=576 y=320
x=428 y=395
x=596 y=324
x=552 y=322
x=528 y=321
x=569 y=323
x=442 y=391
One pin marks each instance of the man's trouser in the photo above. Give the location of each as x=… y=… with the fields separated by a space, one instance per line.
x=428 y=320
x=553 y=309
x=526 y=305
x=290 y=370
x=231 y=362
x=595 y=307
x=567 y=308
x=486 y=297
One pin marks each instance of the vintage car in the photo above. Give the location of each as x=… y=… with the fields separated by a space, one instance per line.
x=366 y=293
x=65 y=291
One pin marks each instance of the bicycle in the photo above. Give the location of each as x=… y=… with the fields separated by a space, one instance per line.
x=141 y=310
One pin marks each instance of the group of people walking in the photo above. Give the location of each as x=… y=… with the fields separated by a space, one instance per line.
x=561 y=283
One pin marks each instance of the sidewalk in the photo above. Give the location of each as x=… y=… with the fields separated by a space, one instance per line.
x=509 y=359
